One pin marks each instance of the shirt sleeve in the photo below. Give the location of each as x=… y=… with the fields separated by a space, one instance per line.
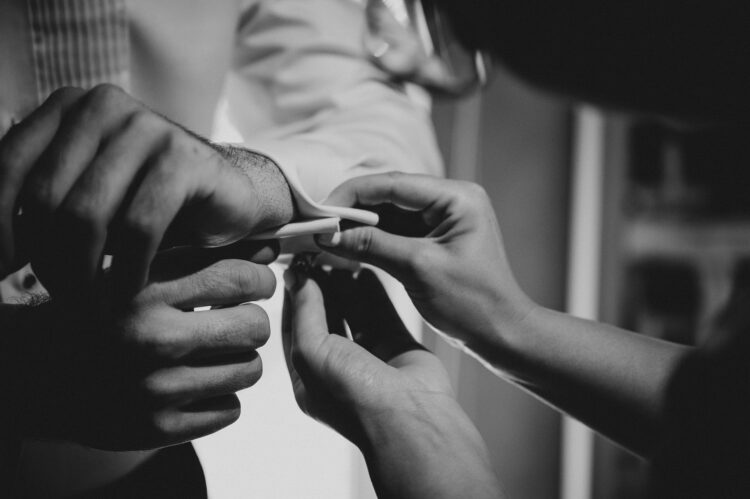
x=304 y=93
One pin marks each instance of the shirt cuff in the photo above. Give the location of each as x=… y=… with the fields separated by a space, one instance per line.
x=314 y=217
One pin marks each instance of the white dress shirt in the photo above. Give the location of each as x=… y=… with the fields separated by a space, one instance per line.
x=289 y=78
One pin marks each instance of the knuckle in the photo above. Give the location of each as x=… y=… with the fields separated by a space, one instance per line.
x=143 y=120
x=154 y=388
x=169 y=164
x=362 y=241
x=424 y=259
x=138 y=227
x=104 y=94
x=175 y=143
x=155 y=345
x=102 y=100
x=39 y=196
x=166 y=347
x=163 y=425
x=471 y=196
x=83 y=213
x=65 y=94
x=243 y=277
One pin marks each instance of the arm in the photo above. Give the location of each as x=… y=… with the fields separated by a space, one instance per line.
x=460 y=281
x=304 y=93
x=612 y=380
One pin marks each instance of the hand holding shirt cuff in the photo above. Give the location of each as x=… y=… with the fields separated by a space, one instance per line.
x=314 y=218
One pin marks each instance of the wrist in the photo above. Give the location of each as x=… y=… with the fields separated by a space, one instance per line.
x=504 y=342
x=424 y=445
x=275 y=201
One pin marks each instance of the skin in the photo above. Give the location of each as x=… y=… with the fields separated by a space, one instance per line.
x=144 y=375
x=95 y=170
x=383 y=391
x=459 y=278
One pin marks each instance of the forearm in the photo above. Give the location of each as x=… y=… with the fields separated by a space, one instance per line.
x=429 y=449
x=611 y=379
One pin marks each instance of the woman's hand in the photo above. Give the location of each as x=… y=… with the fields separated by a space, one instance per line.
x=383 y=391
x=444 y=245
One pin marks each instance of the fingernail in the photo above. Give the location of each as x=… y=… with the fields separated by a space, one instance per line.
x=329 y=240
x=296 y=276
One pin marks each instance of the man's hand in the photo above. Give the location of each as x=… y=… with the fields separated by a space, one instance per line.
x=383 y=391
x=97 y=168
x=457 y=274
x=148 y=374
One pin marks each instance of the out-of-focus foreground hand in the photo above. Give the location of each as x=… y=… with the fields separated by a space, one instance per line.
x=97 y=168
x=151 y=372
x=383 y=391
x=397 y=48
x=444 y=244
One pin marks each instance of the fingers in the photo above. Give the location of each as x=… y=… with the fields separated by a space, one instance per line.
x=308 y=326
x=79 y=136
x=93 y=201
x=177 y=338
x=215 y=333
x=177 y=425
x=414 y=192
x=226 y=282
x=81 y=225
x=176 y=262
x=332 y=304
x=160 y=196
x=429 y=196
x=20 y=149
x=262 y=252
x=394 y=254
x=188 y=384
x=374 y=322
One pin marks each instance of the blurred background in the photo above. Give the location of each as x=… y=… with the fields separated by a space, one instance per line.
x=620 y=218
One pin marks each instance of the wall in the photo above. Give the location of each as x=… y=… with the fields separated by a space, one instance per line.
x=522 y=158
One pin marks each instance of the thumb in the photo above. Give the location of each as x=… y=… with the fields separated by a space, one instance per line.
x=307 y=326
x=390 y=252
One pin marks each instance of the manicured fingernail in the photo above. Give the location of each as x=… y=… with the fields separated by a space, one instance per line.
x=296 y=276
x=329 y=240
